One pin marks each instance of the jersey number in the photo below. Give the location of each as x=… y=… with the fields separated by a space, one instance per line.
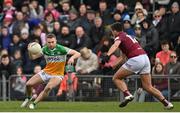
x=132 y=39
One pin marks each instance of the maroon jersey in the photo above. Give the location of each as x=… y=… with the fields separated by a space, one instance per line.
x=129 y=45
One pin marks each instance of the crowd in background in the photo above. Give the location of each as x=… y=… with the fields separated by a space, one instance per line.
x=84 y=26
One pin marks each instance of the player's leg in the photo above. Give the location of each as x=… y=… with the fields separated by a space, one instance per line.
x=34 y=80
x=121 y=85
x=147 y=85
x=53 y=82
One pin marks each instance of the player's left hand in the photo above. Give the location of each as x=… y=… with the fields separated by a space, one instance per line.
x=71 y=61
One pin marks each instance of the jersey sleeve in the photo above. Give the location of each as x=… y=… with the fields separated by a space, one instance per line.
x=67 y=49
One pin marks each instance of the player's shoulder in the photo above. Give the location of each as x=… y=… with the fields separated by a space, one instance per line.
x=62 y=48
x=45 y=48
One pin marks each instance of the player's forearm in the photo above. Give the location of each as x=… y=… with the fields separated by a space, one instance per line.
x=112 y=49
x=76 y=55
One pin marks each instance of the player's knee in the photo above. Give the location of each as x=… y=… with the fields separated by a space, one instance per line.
x=115 y=77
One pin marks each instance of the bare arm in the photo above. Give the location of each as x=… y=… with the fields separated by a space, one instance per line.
x=74 y=56
x=114 y=47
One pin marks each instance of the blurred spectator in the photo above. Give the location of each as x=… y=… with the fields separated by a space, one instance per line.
x=5 y=38
x=139 y=36
x=15 y=44
x=139 y=95
x=161 y=2
x=105 y=68
x=163 y=56
x=66 y=38
x=7 y=22
x=82 y=11
x=50 y=9
x=161 y=83
x=122 y=10
x=19 y=85
x=24 y=41
x=9 y=9
x=138 y=9
x=17 y=58
x=74 y=20
x=140 y=18
x=87 y=63
x=174 y=23
x=3 y=52
x=43 y=26
x=173 y=67
x=39 y=36
x=26 y=11
x=6 y=67
x=127 y=26
x=65 y=8
x=157 y=18
x=68 y=86
x=97 y=31
x=56 y=28
x=152 y=39
x=177 y=48
x=19 y=24
x=36 y=10
x=88 y=21
x=117 y=17
x=81 y=39
x=160 y=22
x=49 y=20
x=104 y=13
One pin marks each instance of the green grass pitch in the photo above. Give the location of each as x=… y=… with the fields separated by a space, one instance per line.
x=14 y=106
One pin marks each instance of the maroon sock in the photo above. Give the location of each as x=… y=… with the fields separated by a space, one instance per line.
x=126 y=93
x=164 y=102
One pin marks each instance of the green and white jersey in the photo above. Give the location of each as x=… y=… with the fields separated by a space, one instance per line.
x=55 y=59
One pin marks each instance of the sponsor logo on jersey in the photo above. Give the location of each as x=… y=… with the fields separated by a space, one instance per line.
x=61 y=58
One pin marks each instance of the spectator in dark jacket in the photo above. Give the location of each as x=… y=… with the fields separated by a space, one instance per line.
x=152 y=38
x=97 y=31
x=6 y=67
x=5 y=39
x=66 y=39
x=81 y=39
x=174 y=23
x=104 y=13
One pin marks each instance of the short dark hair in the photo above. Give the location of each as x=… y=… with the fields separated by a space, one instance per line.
x=164 y=42
x=117 y=26
x=51 y=35
x=4 y=56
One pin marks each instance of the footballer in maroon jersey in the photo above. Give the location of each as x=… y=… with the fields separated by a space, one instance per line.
x=129 y=45
x=137 y=63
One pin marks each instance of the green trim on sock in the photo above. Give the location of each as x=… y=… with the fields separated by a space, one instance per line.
x=34 y=103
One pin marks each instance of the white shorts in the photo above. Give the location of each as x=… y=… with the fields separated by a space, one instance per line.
x=139 y=64
x=46 y=77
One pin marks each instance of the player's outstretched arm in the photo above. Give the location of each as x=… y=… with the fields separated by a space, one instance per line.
x=74 y=56
x=114 y=47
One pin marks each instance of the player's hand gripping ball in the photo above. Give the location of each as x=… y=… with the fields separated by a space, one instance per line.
x=34 y=48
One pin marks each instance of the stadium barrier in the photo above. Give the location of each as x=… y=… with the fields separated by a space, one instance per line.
x=93 y=88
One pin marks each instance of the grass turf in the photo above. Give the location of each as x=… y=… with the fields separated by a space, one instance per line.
x=14 y=106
